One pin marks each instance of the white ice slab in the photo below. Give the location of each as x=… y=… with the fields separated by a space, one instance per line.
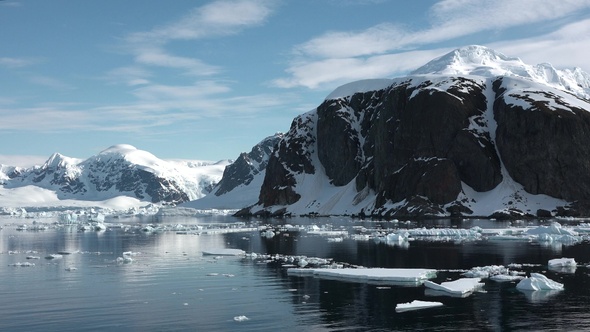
x=371 y=275
x=416 y=305
x=505 y=278
x=538 y=282
x=460 y=287
x=224 y=252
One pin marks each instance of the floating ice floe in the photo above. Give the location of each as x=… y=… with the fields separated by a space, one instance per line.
x=224 y=252
x=538 y=282
x=506 y=277
x=497 y=273
x=54 y=256
x=416 y=305
x=565 y=265
x=486 y=271
x=555 y=233
x=460 y=287
x=562 y=262
x=124 y=260
x=23 y=264
x=403 y=277
x=241 y=318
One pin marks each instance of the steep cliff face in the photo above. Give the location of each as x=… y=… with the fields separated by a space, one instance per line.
x=243 y=170
x=492 y=139
x=543 y=138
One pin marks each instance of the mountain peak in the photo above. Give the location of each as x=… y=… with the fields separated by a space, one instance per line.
x=119 y=149
x=483 y=61
x=474 y=60
x=57 y=160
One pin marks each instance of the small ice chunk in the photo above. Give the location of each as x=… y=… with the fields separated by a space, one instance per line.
x=505 y=278
x=537 y=282
x=241 y=318
x=24 y=264
x=124 y=260
x=463 y=286
x=416 y=305
x=53 y=256
x=224 y=252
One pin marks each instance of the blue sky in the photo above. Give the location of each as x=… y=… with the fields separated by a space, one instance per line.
x=209 y=79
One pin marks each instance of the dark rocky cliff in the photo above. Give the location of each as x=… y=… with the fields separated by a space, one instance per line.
x=247 y=165
x=416 y=142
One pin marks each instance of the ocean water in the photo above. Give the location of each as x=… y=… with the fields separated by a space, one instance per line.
x=167 y=284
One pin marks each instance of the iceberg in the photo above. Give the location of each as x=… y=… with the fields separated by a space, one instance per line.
x=460 y=287
x=538 y=282
x=565 y=265
x=416 y=305
x=389 y=276
x=562 y=262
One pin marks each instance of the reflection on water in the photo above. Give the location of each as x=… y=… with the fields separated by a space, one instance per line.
x=169 y=285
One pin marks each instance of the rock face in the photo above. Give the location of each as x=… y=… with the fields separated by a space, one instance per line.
x=543 y=142
x=247 y=165
x=423 y=144
x=119 y=170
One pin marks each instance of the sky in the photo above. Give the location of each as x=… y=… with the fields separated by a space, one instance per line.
x=207 y=80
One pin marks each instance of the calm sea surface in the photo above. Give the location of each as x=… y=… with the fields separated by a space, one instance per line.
x=165 y=283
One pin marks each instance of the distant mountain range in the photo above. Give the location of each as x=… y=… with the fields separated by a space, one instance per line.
x=472 y=133
x=121 y=170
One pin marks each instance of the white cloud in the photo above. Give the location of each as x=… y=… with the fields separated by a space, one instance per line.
x=130 y=75
x=22 y=160
x=218 y=18
x=154 y=56
x=51 y=82
x=317 y=74
x=17 y=62
x=360 y=54
x=565 y=48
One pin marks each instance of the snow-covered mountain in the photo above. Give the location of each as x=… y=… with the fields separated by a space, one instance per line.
x=472 y=133
x=121 y=170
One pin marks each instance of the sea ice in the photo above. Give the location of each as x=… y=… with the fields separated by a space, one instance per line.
x=24 y=264
x=371 y=275
x=486 y=271
x=538 y=282
x=461 y=287
x=416 y=305
x=53 y=256
x=224 y=252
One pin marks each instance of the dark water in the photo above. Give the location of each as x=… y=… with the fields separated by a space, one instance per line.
x=171 y=286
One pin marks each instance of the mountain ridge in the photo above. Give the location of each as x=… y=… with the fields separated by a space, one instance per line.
x=438 y=145
x=120 y=170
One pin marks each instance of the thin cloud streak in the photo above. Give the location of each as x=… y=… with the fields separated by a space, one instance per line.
x=360 y=53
